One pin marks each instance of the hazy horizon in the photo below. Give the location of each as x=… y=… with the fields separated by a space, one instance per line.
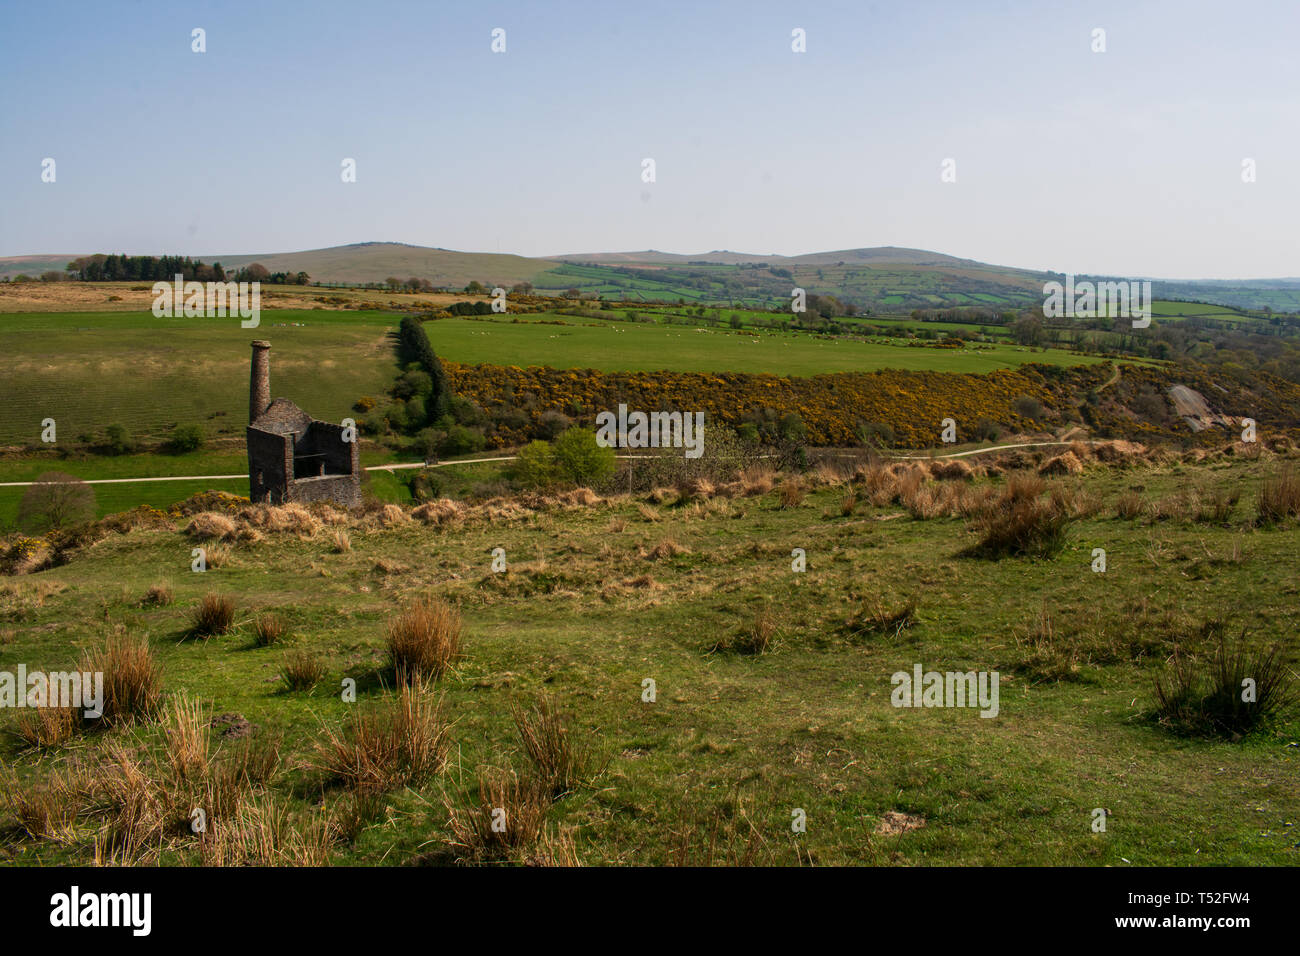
x=1126 y=162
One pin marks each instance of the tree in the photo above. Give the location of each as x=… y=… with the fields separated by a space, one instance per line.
x=582 y=459
x=56 y=501
x=393 y=283
x=1028 y=330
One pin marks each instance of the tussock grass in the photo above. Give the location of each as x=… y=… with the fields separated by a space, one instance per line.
x=507 y=820
x=1130 y=506
x=1205 y=697
x=387 y=745
x=132 y=678
x=558 y=760
x=755 y=636
x=1279 y=497
x=423 y=639
x=1020 y=523
x=158 y=595
x=47 y=727
x=214 y=616
x=791 y=493
x=269 y=629
x=300 y=671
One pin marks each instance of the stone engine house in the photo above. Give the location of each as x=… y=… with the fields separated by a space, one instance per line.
x=292 y=456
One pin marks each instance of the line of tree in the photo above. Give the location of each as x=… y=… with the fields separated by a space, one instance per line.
x=414 y=348
x=124 y=268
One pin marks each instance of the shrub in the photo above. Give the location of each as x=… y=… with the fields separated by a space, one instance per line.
x=117 y=440
x=184 y=438
x=214 y=615
x=581 y=459
x=461 y=441
x=424 y=639
x=1210 y=703
x=1028 y=407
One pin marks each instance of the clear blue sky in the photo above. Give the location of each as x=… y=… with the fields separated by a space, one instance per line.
x=1124 y=162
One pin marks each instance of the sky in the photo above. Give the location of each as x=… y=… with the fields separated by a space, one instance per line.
x=1125 y=162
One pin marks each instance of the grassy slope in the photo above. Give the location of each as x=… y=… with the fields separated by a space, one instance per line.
x=808 y=725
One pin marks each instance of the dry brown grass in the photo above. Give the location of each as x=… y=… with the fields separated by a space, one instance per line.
x=159 y=595
x=209 y=525
x=1279 y=497
x=423 y=639
x=757 y=480
x=341 y=541
x=188 y=739
x=668 y=548
x=46 y=727
x=1130 y=506
x=444 y=511
x=791 y=493
x=880 y=618
x=387 y=745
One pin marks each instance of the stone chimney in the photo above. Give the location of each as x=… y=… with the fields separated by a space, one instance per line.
x=259 y=382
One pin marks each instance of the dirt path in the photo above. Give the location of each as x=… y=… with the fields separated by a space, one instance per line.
x=478 y=461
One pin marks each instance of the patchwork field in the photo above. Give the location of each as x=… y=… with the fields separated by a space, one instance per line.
x=600 y=596
x=90 y=370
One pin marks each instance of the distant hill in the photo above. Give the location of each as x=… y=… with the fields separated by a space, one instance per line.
x=881 y=279
x=32 y=265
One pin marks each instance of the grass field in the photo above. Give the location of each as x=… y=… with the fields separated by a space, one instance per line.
x=595 y=601
x=90 y=370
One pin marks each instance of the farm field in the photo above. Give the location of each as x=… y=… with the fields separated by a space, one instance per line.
x=90 y=370
x=599 y=598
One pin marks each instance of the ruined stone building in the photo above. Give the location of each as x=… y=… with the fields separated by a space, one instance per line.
x=292 y=456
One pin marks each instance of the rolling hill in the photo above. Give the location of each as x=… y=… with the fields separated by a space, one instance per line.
x=881 y=279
